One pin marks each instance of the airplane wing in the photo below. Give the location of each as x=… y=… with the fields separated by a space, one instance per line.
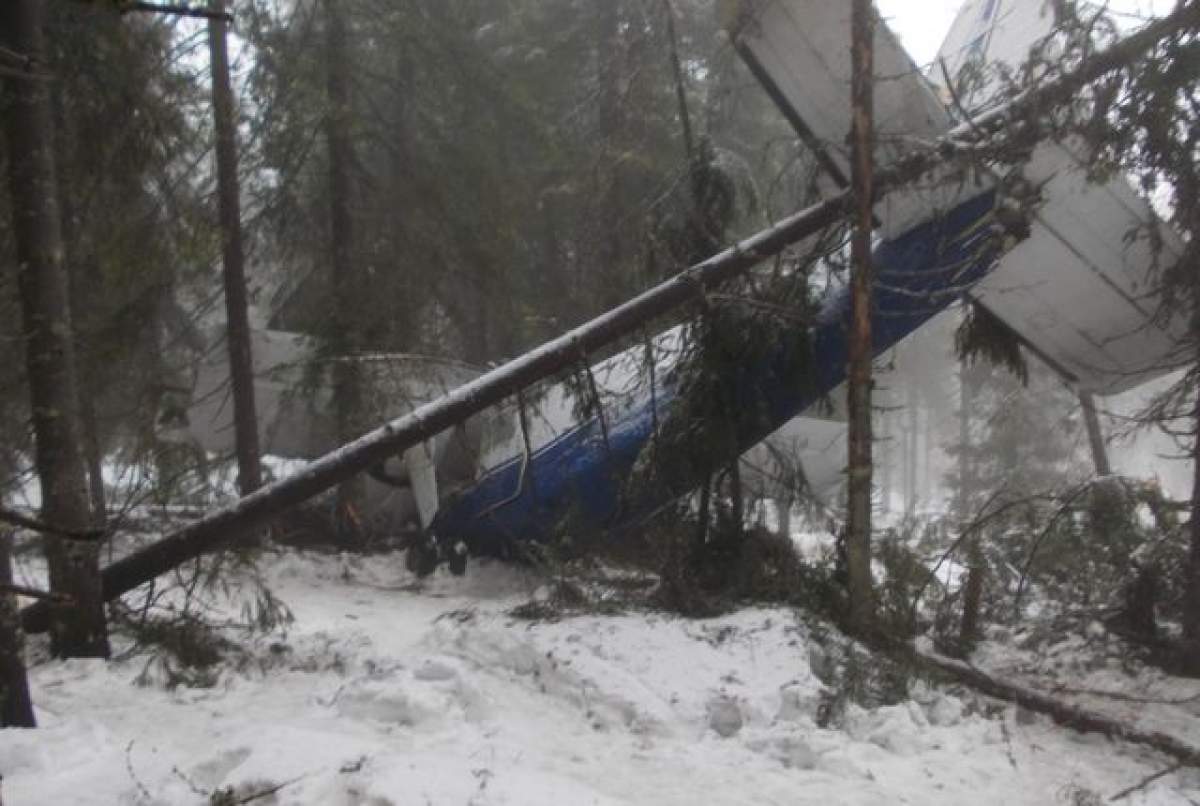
x=1079 y=291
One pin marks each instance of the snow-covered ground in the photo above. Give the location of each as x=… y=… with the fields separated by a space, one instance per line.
x=384 y=691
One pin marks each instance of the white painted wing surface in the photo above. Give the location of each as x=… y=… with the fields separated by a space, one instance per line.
x=802 y=49
x=1080 y=289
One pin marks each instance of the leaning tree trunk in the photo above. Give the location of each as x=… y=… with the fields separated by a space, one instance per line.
x=346 y=332
x=858 y=529
x=241 y=364
x=77 y=629
x=608 y=284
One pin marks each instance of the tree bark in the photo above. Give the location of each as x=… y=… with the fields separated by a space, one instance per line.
x=608 y=277
x=92 y=450
x=858 y=528
x=1095 y=434
x=237 y=320
x=783 y=509
x=966 y=399
x=976 y=569
x=16 y=706
x=1191 y=602
x=887 y=459
x=345 y=340
x=1109 y=518
x=911 y=455
x=77 y=629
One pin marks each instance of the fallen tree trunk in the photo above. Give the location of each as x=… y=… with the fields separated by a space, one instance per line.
x=256 y=510
x=1063 y=713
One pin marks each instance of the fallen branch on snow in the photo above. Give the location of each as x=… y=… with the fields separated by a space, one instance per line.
x=1145 y=782
x=1063 y=713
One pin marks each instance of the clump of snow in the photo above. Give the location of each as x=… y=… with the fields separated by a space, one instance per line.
x=725 y=716
x=945 y=712
x=386 y=690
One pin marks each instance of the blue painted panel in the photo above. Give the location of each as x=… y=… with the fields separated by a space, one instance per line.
x=578 y=478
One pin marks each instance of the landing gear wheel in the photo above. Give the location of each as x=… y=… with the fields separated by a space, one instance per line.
x=422 y=557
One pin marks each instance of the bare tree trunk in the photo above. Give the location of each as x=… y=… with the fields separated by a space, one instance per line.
x=704 y=508
x=16 y=707
x=609 y=287
x=93 y=454
x=858 y=538
x=237 y=321
x=966 y=469
x=969 y=629
x=1095 y=434
x=976 y=567
x=783 y=509
x=78 y=629
x=1191 y=604
x=346 y=336
x=927 y=443
x=887 y=449
x=75 y=262
x=1109 y=517
x=1191 y=594
x=910 y=458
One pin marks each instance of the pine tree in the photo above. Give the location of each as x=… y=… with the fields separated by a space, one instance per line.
x=241 y=363
x=77 y=629
x=858 y=525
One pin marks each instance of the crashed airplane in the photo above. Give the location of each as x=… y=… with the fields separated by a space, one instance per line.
x=1073 y=287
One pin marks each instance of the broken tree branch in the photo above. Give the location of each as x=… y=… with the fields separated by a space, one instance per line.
x=176 y=10
x=12 y=518
x=255 y=510
x=34 y=593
